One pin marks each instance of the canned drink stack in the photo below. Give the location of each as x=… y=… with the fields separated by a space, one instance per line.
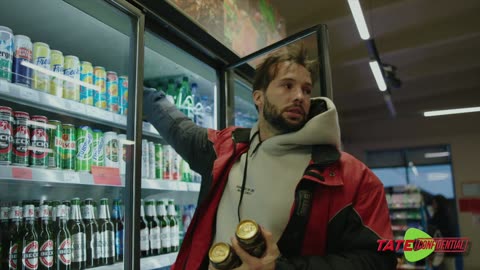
x=122 y=153
x=98 y=156
x=41 y=58
x=57 y=66
x=145 y=159
x=21 y=140
x=23 y=52
x=112 y=92
x=6 y=53
x=6 y=135
x=71 y=89
x=39 y=141
x=86 y=76
x=55 y=157
x=84 y=148
x=151 y=160
x=158 y=161
x=123 y=95
x=100 y=80
x=111 y=149
x=69 y=154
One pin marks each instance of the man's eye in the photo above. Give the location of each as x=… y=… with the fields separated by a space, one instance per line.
x=288 y=85
x=307 y=91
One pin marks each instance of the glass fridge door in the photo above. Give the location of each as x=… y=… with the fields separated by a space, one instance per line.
x=170 y=188
x=66 y=70
x=241 y=110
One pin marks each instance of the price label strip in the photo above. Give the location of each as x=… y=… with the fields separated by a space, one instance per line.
x=4 y=87
x=71 y=177
x=106 y=176
x=30 y=95
x=22 y=173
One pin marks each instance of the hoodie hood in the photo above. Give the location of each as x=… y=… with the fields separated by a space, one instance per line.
x=322 y=128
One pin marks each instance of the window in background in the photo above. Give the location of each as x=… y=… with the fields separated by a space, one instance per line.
x=391 y=176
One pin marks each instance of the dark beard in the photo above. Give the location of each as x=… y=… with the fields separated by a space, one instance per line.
x=277 y=121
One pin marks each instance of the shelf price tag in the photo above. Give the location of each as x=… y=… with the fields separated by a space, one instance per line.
x=71 y=177
x=106 y=176
x=22 y=173
x=30 y=95
x=4 y=87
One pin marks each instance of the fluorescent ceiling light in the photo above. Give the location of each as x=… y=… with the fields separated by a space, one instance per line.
x=377 y=73
x=359 y=18
x=60 y=76
x=437 y=176
x=451 y=111
x=437 y=154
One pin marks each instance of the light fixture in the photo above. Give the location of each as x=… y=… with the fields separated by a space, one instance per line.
x=451 y=111
x=359 y=18
x=60 y=76
x=377 y=73
x=437 y=154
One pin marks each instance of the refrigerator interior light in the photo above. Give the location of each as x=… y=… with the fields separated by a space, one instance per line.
x=377 y=73
x=359 y=18
x=437 y=154
x=60 y=76
x=451 y=111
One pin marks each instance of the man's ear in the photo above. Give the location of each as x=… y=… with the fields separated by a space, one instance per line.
x=258 y=98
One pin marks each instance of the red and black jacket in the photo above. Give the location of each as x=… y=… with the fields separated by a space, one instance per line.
x=339 y=212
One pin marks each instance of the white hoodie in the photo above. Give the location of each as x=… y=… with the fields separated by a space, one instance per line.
x=273 y=172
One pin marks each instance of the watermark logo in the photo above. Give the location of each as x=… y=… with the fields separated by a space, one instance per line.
x=418 y=245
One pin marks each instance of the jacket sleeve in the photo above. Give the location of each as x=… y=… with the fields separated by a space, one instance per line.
x=352 y=243
x=189 y=140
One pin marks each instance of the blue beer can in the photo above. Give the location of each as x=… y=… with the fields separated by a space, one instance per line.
x=22 y=52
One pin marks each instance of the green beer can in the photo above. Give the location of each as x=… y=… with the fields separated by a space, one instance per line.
x=84 y=148
x=158 y=161
x=55 y=157
x=69 y=146
x=98 y=155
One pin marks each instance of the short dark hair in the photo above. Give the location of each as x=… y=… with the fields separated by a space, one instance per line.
x=267 y=70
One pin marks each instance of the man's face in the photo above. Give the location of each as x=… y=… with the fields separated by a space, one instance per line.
x=286 y=102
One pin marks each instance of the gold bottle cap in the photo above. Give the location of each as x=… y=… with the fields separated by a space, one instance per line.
x=219 y=252
x=247 y=229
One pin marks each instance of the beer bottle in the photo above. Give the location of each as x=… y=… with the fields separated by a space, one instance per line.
x=174 y=232
x=92 y=235
x=4 y=245
x=30 y=239
x=165 y=235
x=63 y=240
x=55 y=205
x=77 y=232
x=153 y=228
x=15 y=237
x=223 y=257
x=118 y=226
x=45 y=238
x=67 y=208
x=250 y=238
x=144 y=241
x=106 y=233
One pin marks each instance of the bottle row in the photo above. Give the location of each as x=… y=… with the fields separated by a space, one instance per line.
x=38 y=67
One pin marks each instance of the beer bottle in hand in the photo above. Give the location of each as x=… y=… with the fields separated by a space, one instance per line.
x=107 y=234
x=77 y=232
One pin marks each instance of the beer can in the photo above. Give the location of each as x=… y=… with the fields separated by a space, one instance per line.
x=55 y=135
x=21 y=140
x=71 y=69
x=250 y=238
x=122 y=152
x=158 y=161
x=86 y=76
x=100 y=80
x=41 y=58
x=84 y=149
x=98 y=156
x=167 y=162
x=6 y=53
x=176 y=161
x=111 y=149
x=122 y=95
x=145 y=159
x=112 y=92
x=151 y=160
x=23 y=52
x=223 y=257
x=39 y=141
x=69 y=138
x=6 y=135
x=56 y=65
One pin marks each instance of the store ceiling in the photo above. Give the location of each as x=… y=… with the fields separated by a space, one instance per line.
x=435 y=44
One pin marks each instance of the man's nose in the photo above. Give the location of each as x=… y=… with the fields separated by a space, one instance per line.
x=299 y=94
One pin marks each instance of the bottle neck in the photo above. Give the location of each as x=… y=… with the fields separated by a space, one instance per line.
x=88 y=212
x=29 y=214
x=171 y=210
x=61 y=215
x=104 y=212
x=162 y=211
x=116 y=212
x=142 y=211
x=45 y=213
x=151 y=211
x=75 y=213
x=16 y=214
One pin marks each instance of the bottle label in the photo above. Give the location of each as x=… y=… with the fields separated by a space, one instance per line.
x=64 y=252
x=13 y=256
x=78 y=247
x=98 y=246
x=119 y=242
x=108 y=238
x=144 y=240
x=87 y=212
x=46 y=253
x=30 y=255
x=174 y=236
x=165 y=237
x=155 y=238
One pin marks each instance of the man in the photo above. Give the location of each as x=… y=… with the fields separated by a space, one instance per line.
x=319 y=208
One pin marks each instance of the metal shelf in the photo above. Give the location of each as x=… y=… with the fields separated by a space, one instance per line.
x=24 y=95
x=157 y=184
x=154 y=262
